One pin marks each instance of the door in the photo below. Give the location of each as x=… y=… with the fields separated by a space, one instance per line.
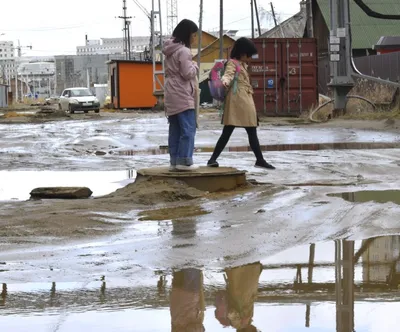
x=64 y=100
x=300 y=72
x=284 y=76
x=266 y=76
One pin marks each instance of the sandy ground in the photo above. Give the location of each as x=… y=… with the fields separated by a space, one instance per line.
x=152 y=224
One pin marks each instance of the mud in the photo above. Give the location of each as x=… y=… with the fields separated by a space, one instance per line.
x=93 y=265
x=177 y=212
x=146 y=191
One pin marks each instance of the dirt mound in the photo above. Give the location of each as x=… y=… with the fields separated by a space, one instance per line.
x=148 y=191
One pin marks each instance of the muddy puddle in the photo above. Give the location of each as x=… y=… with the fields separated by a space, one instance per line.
x=377 y=196
x=16 y=185
x=334 y=286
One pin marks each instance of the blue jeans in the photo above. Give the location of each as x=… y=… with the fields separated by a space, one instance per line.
x=182 y=130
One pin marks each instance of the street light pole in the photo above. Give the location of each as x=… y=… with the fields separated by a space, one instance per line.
x=221 y=29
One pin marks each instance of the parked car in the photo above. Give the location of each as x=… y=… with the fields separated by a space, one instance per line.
x=53 y=100
x=78 y=100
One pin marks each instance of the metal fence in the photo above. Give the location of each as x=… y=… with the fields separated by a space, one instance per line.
x=384 y=66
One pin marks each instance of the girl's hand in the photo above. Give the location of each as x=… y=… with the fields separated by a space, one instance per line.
x=226 y=84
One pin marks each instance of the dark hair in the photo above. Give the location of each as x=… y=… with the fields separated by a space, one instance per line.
x=243 y=46
x=184 y=31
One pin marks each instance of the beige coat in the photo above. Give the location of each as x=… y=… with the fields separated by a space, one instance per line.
x=239 y=110
x=242 y=290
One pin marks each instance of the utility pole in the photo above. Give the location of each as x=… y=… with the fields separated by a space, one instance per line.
x=273 y=14
x=126 y=30
x=340 y=52
x=258 y=18
x=19 y=53
x=221 y=29
x=200 y=36
x=310 y=19
x=252 y=18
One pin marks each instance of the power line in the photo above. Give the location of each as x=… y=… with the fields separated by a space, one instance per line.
x=44 y=29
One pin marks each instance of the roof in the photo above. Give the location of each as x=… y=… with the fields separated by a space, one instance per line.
x=293 y=27
x=212 y=45
x=129 y=61
x=388 y=42
x=367 y=30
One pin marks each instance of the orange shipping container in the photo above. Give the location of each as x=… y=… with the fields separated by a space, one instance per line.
x=132 y=84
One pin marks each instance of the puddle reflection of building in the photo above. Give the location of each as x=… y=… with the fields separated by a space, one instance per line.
x=235 y=305
x=381 y=260
x=187 y=304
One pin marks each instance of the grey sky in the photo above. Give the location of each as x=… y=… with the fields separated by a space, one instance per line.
x=57 y=27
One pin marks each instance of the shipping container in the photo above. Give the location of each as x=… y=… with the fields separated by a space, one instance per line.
x=284 y=75
x=132 y=84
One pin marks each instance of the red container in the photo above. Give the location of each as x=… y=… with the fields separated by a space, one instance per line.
x=284 y=76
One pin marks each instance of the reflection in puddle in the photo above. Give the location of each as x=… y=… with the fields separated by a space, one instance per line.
x=17 y=185
x=384 y=196
x=323 y=287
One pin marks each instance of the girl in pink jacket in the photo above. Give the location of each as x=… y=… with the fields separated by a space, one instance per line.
x=179 y=95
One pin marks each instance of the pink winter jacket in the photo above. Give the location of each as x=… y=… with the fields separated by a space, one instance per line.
x=180 y=74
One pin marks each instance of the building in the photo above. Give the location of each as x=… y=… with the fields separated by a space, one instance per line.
x=293 y=27
x=7 y=61
x=74 y=70
x=139 y=44
x=365 y=30
x=39 y=77
x=131 y=84
x=388 y=44
x=3 y=95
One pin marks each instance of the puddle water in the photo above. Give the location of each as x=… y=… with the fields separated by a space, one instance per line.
x=331 y=286
x=384 y=196
x=16 y=185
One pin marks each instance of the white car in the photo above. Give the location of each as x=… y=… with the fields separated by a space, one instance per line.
x=78 y=100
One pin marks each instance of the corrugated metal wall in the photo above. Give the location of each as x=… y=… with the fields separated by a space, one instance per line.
x=3 y=96
x=384 y=66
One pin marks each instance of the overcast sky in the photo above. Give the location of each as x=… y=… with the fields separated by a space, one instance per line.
x=57 y=27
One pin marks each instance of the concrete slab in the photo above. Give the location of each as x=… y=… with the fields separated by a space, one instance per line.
x=205 y=178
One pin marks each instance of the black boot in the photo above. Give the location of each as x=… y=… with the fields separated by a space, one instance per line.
x=264 y=164
x=212 y=163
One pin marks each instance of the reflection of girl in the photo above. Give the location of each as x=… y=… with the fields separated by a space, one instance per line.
x=235 y=306
x=187 y=301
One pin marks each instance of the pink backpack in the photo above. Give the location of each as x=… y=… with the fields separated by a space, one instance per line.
x=217 y=89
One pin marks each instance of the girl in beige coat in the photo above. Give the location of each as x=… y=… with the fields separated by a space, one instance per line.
x=239 y=109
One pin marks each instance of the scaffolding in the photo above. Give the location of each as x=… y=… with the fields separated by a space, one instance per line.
x=157 y=55
x=172 y=16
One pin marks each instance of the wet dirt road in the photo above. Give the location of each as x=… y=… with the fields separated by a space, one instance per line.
x=92 y=144
x=109 y=282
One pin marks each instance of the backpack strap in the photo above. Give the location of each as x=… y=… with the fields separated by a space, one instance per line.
x=234 y=84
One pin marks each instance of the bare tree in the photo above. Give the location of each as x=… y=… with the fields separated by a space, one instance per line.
x=267 y=17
